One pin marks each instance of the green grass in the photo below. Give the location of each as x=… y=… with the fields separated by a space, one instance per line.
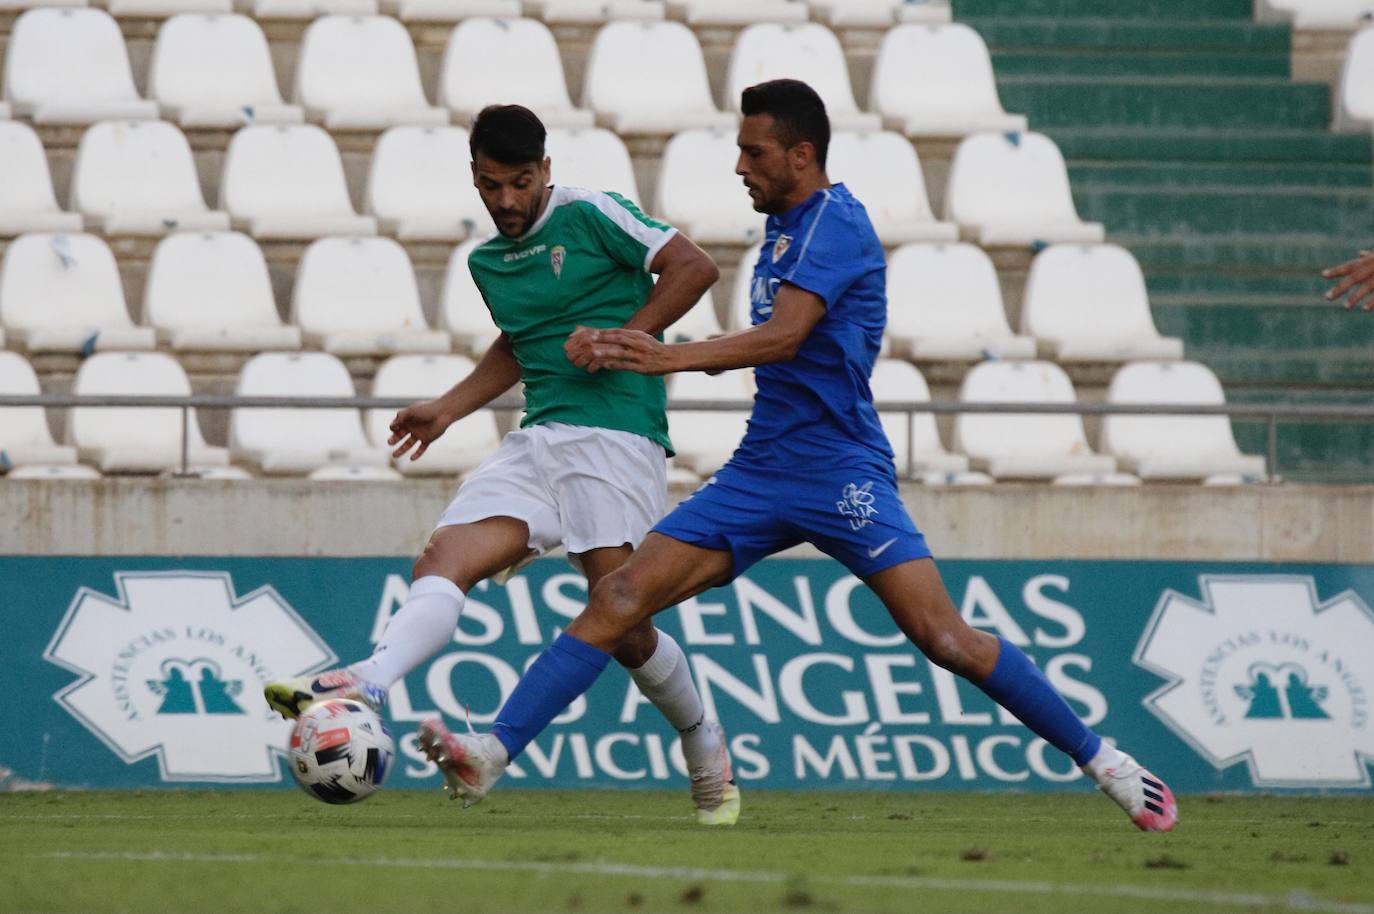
x=638 y=851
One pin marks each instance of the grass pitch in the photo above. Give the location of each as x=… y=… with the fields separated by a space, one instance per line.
x=540 y=851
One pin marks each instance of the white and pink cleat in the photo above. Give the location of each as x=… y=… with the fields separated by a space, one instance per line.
x=1145 y=798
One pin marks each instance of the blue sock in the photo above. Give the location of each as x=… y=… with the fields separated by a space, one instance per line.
x=1018 y=685
x=564 y=671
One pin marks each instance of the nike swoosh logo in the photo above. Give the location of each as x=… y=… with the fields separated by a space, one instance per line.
x=879 y=550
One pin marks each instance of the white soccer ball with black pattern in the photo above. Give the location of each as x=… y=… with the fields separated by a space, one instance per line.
x=341 y=751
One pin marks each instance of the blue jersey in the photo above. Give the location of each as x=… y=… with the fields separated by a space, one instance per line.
x=817 y=410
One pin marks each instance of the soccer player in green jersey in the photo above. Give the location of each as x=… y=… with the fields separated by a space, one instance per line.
x=586 y=470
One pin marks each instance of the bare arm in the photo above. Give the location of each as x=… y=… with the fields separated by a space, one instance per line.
x=685 y=272
x=795 y=313
x=419 y=425
x=1357 y=274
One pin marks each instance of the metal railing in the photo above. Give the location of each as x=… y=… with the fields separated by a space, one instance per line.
x=1270 y=414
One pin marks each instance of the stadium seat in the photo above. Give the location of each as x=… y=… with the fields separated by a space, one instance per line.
x=27 y=202
x=477 y=71
x=209 y=474
x=69 y=66
x=288 y=182
x=699 y=192
x=464 y=445
x=704 y=440
x=650 y=78
x=216 y=71
x=937 y=80
x=361 y=73
x=1317 y=14
x=740 y=310
x=162 y=9
x=809 y=52
x=310 y=9
x=136 y=439
x=1088 y=303
x=1096 y=479
x=1173 y=447
x=916 y=444
x=882 y=171
x=138 y=178
x=299 y=439
x=450 y=10
x=353 y=473
x=944 y=304
x=24 y=434
x=861 y=14
x=18 y=6
x=4 y=111
x=1023 y=446
x=593 y=159
x=62 y=293
x=50 y=472
x=1013 y=189
x=462 y=311
x=358 y=296
x=595 y=12
x=701 y=323
x=1355 y=96
x=420 y=185
x=210 y=292
x=738 y=12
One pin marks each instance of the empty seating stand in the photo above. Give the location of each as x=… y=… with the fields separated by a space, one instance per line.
x=462 y=310
x=809 y=52
x=420 y=187
x=882 y=171
x=465 y=443
x=699 y=192
x=477 y=71
x=24 y=435
x=27 y=202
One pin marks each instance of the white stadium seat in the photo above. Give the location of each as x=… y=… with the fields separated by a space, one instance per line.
x=358 y=296
x=700 y=323
x=1088 y=303
x=883 y=173
x=1354 y=101
x=937 y=80
x=809 y=52
x=462 y=311
x=699 y=192
x=161 y=9
x=310 y=9
x=595 y=12
x=62 y=293
x=136 y=439
x=27 y=202
x=1013 y=189
x=4 y=111
x=650 y=78
x=216 y=71
x=739 y=314
x=24 y=434
x=464 y=445
x=341 y=473
x=1024 y=446
x=450 y=10
x=288 y=182
x=1096 y=479
x=1317 y=14
x=210 y=292
x=18 y=6
x=916 y=444
x=861 y=14
x=69 y=66
x=213 y=474
x=477 y=71
x=50 y=472
x=420 y=185
x=738 y=12
x=944 y=303
x=1173 y=447
x=299 y=439
x=139 y=178
x=361 y=73
x=592 y=158
x=704 y=440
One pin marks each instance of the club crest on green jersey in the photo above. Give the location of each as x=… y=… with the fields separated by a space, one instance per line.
x=556 y=257
x=780 y=247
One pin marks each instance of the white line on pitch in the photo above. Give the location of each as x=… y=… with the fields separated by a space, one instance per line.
x=1295 y=901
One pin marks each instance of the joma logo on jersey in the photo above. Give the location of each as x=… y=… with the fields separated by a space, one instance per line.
x=763 y=290
x=527 y=252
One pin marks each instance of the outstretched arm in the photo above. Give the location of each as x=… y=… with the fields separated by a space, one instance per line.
x=685 y=272
x=1357 y=274
x=795 y=312
x=419 y=425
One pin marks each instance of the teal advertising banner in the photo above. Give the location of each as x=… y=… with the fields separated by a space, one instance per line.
x=146 y=672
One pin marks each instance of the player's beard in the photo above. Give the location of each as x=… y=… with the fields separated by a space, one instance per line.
x=527 y=218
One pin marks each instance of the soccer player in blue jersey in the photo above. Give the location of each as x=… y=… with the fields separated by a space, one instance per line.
x=814 y=466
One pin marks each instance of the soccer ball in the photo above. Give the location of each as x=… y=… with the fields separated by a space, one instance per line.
x=341 y=751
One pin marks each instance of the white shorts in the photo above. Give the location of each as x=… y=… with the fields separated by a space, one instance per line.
x=573 y=485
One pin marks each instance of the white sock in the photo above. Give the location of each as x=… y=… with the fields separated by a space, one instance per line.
x=1107 y=757
x=666 y=680
x=421 y=628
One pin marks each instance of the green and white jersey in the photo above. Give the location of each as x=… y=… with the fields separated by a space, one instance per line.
x=584 y=263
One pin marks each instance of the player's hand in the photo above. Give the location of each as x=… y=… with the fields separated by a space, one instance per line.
x=1357 y=274
x=417 y=427
x=618 y=349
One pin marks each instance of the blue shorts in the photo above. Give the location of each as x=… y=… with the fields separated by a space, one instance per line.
x=855 y=516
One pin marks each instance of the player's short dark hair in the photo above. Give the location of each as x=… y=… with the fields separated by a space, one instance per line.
x=798 y=113
x=509 y=134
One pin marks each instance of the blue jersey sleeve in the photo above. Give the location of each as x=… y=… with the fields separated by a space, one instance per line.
x=831 y=257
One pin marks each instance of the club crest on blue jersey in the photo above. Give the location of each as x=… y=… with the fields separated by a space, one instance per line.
x=556 y=257
x=780 y=247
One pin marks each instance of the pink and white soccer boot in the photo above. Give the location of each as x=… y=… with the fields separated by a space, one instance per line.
x=1147 y=799
x=471 y=763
